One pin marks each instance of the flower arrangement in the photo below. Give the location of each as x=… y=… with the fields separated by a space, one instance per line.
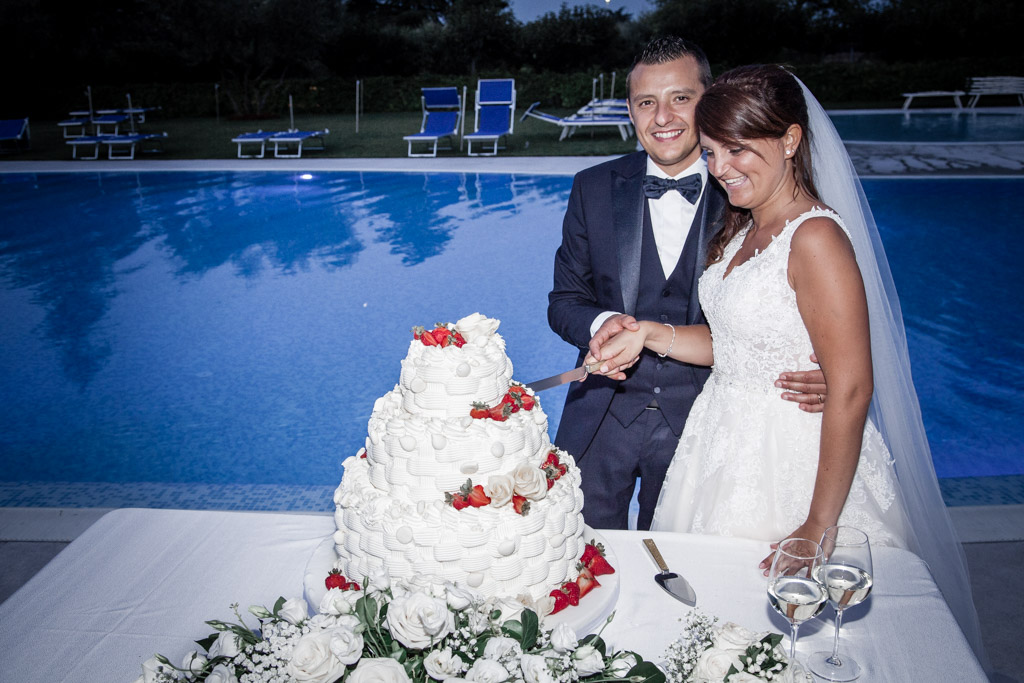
x=399 y=634
x=706 y=653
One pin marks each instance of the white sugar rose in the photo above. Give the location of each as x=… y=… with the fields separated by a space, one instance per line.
x=535 y=669
x=312 y=660
x=442 y=664
x=714 y=664
x=530 y=481
x=588 y=660
x=378 y=670
x=417 y=620
x=458 y=598
x=563 y=638
x=226 y=645
x=734 y=636
x=193 y=662
x=486 y=671
x=476 y=326
x=500 y=646
x=623 y=663
x=293 y=611
x=336 y=602
x=221 y=674
x=499 y=489
x=346 y=645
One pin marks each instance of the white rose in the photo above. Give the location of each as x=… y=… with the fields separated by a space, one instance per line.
x=226 y=645
x=499 y=489
x=486 y=671
x=476 y=326
x=563 y=638
x=714 y=663
x=417 y=620
x=152 y=670
x=623 y=663
x=293 y=611
x=530 y=481
x=222 y=673
x=588 y=660
x=337 y=601
x=744 y=677
x=500 y=646
x=346 y=645
x=378 y=670
x=733 y=636
x=535 y=669
x=442 y=664
x=378 y=582
x=544 y=606
x=313 y=661
x=458 y=598
x=193 y=662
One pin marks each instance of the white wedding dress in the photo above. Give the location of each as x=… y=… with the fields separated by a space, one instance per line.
x=747 y=460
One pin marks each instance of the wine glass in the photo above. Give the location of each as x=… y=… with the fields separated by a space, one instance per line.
x=846 y=573
x=794 y=589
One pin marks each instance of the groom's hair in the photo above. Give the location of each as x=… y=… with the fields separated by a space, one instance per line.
x=668 y=49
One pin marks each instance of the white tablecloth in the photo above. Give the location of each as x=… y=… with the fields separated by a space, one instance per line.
x=144 y=581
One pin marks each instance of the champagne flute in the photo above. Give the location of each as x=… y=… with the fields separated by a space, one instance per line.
x=793 y=587
x=846 y=573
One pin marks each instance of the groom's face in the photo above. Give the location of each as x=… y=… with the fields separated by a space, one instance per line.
x=662 y=98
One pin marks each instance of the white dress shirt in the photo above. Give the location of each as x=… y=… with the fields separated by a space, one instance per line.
x=671 y=218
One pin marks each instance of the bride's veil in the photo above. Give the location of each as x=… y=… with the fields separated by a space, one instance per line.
x=894 y=407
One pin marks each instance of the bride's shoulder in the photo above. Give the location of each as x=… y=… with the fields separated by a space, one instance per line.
x=820 y=229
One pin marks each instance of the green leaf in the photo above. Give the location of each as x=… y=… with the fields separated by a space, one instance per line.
x=773 y=638
x=594 y=641
x=207 y=643
x=531 y=629
x=513 y=629
x=278 y=605
x=647 y=672
x=366 y=610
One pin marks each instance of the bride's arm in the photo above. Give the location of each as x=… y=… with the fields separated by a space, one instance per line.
x=830 y=296
x=687 y=343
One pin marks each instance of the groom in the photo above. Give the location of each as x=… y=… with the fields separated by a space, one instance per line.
x=634 y=242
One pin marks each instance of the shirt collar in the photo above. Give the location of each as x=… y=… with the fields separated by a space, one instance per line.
x=700 y=166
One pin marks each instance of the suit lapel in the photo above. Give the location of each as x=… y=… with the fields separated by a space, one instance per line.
x=628 y=214
x=708 y=218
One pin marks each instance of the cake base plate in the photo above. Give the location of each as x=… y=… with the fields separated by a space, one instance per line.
x=584 y=618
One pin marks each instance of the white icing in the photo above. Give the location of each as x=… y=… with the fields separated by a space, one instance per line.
x=421 y=444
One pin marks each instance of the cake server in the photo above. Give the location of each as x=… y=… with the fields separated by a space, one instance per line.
x=675 y=585
x=557 y=380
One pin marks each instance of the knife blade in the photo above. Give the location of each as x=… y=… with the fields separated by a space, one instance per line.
x=675 y=585
x=561 y=378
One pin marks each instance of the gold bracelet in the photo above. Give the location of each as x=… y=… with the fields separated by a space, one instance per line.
x=671 y=343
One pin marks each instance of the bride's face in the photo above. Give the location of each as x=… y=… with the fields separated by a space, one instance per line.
x=752 y=172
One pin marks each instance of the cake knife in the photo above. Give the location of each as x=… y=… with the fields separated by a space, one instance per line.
x=556 y=380
x=675 y=585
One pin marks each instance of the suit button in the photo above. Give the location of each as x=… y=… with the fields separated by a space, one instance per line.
x=664 y=318
x=659 y=366
x=666 y=292
x=657 y=390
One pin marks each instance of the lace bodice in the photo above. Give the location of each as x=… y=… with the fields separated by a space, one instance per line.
x=755 y=324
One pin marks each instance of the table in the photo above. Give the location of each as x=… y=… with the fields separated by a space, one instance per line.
x=143 y=581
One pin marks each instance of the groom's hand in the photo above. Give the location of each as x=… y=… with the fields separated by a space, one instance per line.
x=806 y=388
x=609 y=328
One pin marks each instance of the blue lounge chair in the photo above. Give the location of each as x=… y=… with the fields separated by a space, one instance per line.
x=259 y=138
x=312 y=139
x=442 y=111
x=570 y=124
x=118 y=146
x=494 y=114
x=14 y=135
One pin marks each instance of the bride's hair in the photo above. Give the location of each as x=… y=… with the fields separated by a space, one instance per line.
x=748 y=103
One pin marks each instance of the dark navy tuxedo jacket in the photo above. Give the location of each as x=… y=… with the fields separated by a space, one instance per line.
x=597 y=269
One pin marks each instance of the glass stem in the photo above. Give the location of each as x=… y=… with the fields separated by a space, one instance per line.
x=794 y=628
x=834 y=659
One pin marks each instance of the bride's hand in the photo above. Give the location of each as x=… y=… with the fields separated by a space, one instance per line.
x=618 y=352
x=809 y=530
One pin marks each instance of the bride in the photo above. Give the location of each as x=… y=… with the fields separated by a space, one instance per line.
x=797 y=267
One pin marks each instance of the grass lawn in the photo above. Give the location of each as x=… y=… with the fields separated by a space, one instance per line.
x=379 y=136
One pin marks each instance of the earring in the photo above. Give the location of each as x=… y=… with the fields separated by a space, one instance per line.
x=789 y=152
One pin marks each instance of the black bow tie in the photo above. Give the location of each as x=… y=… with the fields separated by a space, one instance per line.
x=689 y=187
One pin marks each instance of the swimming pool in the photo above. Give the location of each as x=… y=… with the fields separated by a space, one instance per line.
x=234 y=329
x=955 y=125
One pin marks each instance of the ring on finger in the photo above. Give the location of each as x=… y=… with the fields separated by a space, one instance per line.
x=820 y=399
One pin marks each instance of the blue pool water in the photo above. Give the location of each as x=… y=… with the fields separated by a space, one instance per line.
x=199 y=329
x=912 y=126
